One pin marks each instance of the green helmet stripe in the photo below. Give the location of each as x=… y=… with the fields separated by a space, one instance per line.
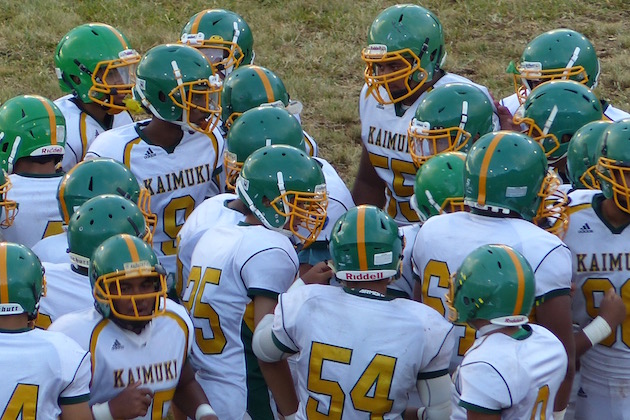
x=363 y=266
x=481 y=197
x=520 y=276
x=4 y=278
x=266 y=84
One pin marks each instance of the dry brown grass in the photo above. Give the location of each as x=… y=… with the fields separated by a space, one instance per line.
x=314 y=45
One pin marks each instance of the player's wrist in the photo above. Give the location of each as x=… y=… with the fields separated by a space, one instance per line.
x=204 y=410
x=102 y=411
x=597 y=330
x=559 y=415
x=290 y=416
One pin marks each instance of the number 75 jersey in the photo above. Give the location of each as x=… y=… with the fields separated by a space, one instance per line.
x=601 y=260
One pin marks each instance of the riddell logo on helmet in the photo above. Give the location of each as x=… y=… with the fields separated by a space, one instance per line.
x=364 y=276
x=515 y=320
x=51 y=150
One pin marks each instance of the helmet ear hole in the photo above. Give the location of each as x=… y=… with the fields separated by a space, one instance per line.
x=162 y=97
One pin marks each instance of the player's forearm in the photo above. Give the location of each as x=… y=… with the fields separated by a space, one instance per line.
x=189 y=395
x=280 y=383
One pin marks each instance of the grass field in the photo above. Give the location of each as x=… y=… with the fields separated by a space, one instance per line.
x=314 y=46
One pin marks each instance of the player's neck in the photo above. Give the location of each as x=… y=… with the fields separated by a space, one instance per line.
x=163 y=133
x=613 y=214
x=14 y=323
x=25 y=166
x=97 y=112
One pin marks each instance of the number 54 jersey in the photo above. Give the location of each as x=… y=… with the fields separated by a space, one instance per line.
x=358 y=350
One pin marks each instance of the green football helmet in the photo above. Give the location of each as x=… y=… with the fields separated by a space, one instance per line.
x=250 y=86
x=95 y=63
x=99 y=218
x=30 y=126
x=9 y=206
x=553 y=112
x=439 y=185
x=98 y=176
x=174 y=82
x=613 y=163
x=115 y=262
x=581 y=155
x=22 y=280
x=449 y=118
x=494 y=282
x=222 y=36
x=505 y=172
x=286 y=191
x=256 y=128
x=366 y=245
x=407 y=35
x=559 y=54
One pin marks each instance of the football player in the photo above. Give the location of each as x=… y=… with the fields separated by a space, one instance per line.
x=513 y=369
x=361 y=363
x=559 y=54
x=88 y=179
x=94 y=221
x=438 y=188
x=251 y=86
x=581 y=155
x=597 y=237
x=284 y=193
x=176 y=153
x=139 y=340
x=46 y=375
x=93 y=63
x=32 y=143
x=223 y=37
x=553 y=112
x=505 y=183
x=404 y=60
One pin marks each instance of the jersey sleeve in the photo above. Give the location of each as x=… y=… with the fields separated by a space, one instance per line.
x=483 y=388
x=76 y=366
x=285 y=319
x=553 y=274
x=181 y=312
x=264 y=278
x=440 y=338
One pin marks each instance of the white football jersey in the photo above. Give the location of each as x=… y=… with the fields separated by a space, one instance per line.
x=404 y=284
x=229 y=266
x=516 y=377
x=211 y=212
x=445 y=240
x=154 y=357
x=53 y=248
x=38 y=214
x=40 y=371
x=177 y=180
x=384 y=135
x=66 y=291
x=82 y=129
x=350 y=342
x=600 y=261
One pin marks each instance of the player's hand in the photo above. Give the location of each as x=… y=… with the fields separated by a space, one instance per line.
x=320 y=273
x=506 y=119
x=132 y=402
x=612 y=308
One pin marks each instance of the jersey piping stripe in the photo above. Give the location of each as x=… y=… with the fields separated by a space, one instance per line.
x=131 y=247
x=520 y=276
x=4 y=281
x=83 y=134
x=51 y=119
x=127 y=151
x=266 y=84
x=363 y=266
x=93 y=339
x=481 y=197
x=195 y=26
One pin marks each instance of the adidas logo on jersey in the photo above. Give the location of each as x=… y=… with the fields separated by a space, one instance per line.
x=585 y=229
x=117 y=345
x=149 y=154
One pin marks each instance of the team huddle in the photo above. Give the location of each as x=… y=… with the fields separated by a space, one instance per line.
x=173 y=245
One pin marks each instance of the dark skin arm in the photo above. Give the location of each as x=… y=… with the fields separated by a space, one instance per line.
x=555 y=315
x=613 y=310
x=368 y=187
x=189 y=395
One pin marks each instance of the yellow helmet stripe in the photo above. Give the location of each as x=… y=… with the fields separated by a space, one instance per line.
x=266 y=84
x=131 y=247
x=4 y=278
x=195 y=26
x=117 y=33
x=481 y=197
x=51 y=118
x=361 y=239
x=520 y=276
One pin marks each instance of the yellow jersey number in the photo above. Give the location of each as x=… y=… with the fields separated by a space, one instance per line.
x=399 y=168
x=370 y=393
x=184 y=204
x=437 y=273
x=23 y=401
